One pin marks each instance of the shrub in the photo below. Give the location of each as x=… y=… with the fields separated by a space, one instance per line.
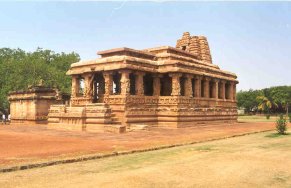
x=289 y=118
x=268 y=116
x=281 y=125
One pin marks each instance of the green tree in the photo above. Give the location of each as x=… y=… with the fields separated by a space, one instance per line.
x=248 y=99
x=19 y=69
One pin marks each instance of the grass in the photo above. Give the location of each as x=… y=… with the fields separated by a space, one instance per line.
x=246 y=161
x=255 y=118
x=276 y=135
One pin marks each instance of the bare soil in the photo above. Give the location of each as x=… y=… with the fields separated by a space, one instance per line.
x=30 y=144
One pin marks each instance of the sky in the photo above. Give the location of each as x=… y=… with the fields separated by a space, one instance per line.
x=251 y=39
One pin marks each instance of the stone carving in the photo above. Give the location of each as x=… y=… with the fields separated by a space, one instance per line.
x=125 y=83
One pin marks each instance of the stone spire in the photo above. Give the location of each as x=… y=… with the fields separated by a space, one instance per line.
x=196 y=45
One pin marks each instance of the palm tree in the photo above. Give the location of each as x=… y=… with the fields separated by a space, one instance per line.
x=265 y=103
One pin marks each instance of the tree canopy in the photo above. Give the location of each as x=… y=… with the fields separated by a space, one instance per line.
x=273 y=99
x=20 y=69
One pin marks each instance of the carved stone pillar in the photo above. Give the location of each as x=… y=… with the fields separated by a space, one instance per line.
x=108 y=79
x=176 y=87
x=231 y=97
x=234 y=91
x=88 y=87
x=139 y=87
x=206 y=87
x=197 y=91
x=157 y=84
x=75 y=86
x=188 y=86
x=215 y=89
x=125 y=82
x=223 y=89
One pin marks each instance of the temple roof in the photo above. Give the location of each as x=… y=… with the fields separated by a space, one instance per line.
x=161 y=59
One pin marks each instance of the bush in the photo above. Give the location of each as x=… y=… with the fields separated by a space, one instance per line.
x=268 y=116
x=281 y=125
x=289 y=118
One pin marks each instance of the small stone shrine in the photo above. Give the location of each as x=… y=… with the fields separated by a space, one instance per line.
x=31 y=106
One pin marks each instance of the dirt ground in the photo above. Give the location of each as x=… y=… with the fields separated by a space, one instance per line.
x=30 y=144
x=256 y=160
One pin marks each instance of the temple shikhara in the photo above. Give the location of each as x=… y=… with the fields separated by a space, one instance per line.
x=163 y=86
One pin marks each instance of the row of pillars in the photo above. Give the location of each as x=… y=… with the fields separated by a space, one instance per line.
x=204 y=87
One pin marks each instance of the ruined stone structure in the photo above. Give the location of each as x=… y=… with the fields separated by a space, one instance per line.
x=162 y=86
x=31 y=106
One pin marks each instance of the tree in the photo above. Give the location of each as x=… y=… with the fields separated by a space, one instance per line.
x=19 y=69
x=265 y=103
x=248 y=99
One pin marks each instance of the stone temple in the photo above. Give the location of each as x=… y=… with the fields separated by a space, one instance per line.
x=163 y=86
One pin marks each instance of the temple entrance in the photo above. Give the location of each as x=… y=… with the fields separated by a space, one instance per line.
x=98 y=88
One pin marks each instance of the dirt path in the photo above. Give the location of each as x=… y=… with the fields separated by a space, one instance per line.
x=257 y=160
x=26 y=144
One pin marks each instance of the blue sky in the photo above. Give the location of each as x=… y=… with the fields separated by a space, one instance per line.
x=251 y=39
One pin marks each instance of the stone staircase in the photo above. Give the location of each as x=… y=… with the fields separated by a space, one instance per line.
x=137 y=127
x=115 y=125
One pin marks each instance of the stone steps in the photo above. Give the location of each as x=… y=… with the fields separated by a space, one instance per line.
x=136 y=127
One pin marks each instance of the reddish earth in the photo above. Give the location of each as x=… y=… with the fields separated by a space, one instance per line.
x=24 y=144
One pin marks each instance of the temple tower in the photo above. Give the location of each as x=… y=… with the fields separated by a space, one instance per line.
x=197 y=45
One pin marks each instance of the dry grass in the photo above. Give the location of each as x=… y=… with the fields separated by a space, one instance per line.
x=256 y=118
x=258 y=160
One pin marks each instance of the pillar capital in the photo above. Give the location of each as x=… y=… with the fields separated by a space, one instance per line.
x=124 y=71
x=107 y=72
x=223 y=81
x=216 y=80
x=206 y=78
x=137 y=73
x=176 y=74
x=198 y=77
x=231 y=83
x=189 y=76
x=157 y=75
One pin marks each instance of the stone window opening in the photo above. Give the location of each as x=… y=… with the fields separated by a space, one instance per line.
x=166 y=85
x=98 y=87
x=132 y=78
x=202 y=88
x=116 y=84
x=184 y=48
x=81 y=86
x=148 y=85
x=182 y=86
x=211 y=89
x=193 y=87
x=219 y=90
x=227 y=91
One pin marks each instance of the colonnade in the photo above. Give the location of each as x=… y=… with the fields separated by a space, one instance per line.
x=188 y=85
